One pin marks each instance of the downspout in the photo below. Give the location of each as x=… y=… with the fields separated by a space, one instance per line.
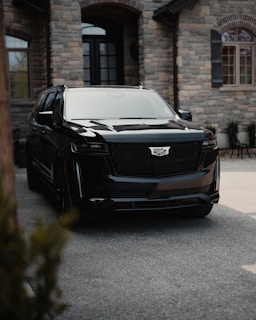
x=173 y=26
x=175 y=69
x=48 y=48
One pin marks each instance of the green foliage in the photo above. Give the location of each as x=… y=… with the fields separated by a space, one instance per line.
x=211 y=128
x=251 y=131
x=232 y=131
x=30 y=258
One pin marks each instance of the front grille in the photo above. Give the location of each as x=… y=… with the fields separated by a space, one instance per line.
x=135 y=159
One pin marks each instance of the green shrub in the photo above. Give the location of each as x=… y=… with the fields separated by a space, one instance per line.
x=251 y=132
x=211 y=128
x=29 y=257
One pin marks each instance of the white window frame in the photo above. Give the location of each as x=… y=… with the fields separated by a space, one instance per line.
x=238 y=45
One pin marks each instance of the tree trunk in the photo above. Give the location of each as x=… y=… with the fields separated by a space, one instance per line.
x=7 y=185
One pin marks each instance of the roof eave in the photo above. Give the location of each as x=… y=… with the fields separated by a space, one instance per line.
x=172 y=9
x=30 y=4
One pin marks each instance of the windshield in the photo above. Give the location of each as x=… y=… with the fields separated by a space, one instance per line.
x=115 y=104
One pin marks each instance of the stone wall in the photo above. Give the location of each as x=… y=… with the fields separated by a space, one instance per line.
x=57 y=58
x=30 y=25
x=66 y=43
x=210 y=105
x=155 y=44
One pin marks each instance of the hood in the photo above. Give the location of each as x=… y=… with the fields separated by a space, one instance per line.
x=113 y=130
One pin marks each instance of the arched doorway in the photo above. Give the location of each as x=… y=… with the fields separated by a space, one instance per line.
x=110 y=42
x=102 y=52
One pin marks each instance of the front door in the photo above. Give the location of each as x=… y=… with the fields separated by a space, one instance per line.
x=102 y=55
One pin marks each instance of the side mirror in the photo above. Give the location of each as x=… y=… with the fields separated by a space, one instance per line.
x=185 y=115
x=45 y=118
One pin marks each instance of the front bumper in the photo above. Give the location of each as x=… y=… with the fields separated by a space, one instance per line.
x=147 y=194
x=145 y=204
x=95 y=185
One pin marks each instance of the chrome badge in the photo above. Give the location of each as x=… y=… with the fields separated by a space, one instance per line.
x=159 y=151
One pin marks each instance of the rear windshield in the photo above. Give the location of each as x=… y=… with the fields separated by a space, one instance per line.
x=115 y=104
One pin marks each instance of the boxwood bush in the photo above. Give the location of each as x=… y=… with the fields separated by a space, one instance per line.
x=30 y=259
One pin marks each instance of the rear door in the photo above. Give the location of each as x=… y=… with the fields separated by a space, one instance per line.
x=35 y=128
x=49 y=138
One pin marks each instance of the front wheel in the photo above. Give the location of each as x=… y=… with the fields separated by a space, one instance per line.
x=32 y=180
x=63 y=201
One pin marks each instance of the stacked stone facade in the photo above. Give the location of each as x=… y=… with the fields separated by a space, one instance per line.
x=27 y=25
x=213 y=106
x=66 y=44
x=156 y=51
x=57 y=56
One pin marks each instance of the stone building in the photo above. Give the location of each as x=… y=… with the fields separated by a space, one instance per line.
x=199 y=54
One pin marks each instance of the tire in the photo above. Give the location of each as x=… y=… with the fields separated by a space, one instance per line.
x=32 y=179
x=62 y=199
x=200 y=211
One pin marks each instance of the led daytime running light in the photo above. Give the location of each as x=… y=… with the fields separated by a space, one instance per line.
x=85 y=147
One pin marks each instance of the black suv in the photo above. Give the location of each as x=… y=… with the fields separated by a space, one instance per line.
x=120 y=148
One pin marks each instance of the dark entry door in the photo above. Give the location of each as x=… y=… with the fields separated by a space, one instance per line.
x=100 y=62
x=102 y=55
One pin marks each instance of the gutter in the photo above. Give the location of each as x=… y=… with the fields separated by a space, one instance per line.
x=169 y=14
x=172 y=23
x=175 y=69
x=28 y=4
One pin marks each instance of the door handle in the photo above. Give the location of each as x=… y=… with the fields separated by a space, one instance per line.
x=43 y=132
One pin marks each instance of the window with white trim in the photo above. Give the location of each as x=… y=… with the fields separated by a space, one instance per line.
x=238 y=47
x=18 y=66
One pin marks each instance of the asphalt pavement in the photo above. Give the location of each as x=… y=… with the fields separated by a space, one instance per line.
x=154 y=268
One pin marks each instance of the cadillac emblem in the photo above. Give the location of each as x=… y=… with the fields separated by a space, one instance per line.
x=159 y=151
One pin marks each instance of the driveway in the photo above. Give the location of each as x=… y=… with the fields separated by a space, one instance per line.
x=158 y=267
x=238 y=184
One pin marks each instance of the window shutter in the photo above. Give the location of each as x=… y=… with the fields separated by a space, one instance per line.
x=216 y=59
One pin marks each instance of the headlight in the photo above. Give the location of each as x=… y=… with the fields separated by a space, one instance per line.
x=84 y=147
x=209 y=144
x=210 y=141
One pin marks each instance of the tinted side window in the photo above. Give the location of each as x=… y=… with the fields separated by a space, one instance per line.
x=48 y=105
x=40 y=102
x=57 y=101
x=56 y=107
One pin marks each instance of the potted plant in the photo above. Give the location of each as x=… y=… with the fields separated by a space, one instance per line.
x=232 y=131
x=211 y=128
x=251 y=132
